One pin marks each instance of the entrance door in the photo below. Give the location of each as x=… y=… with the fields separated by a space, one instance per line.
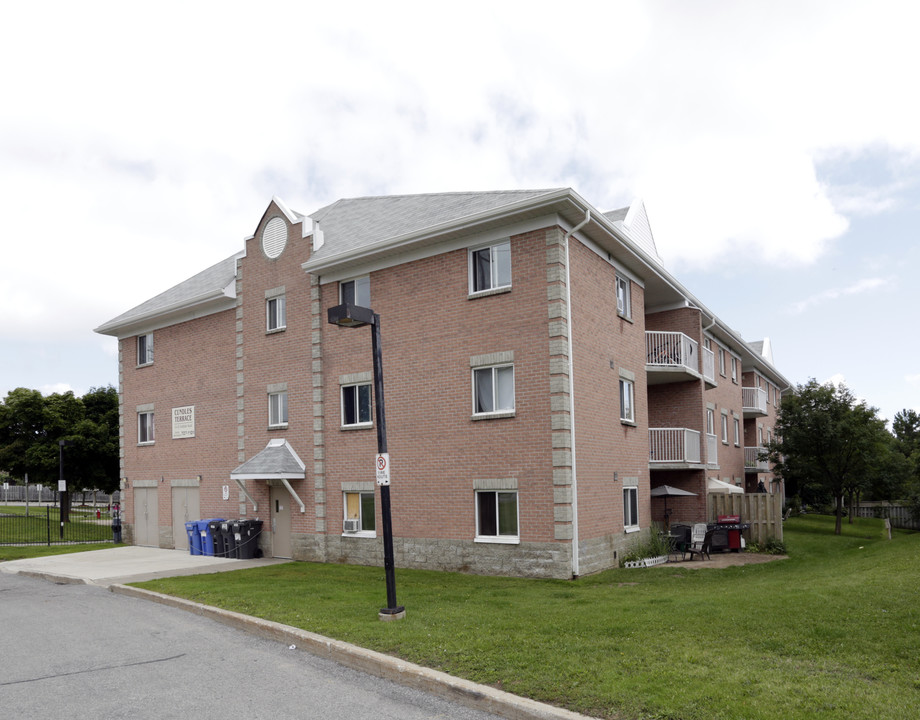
x=145 y=517
x=281 y=522
x=185 y=508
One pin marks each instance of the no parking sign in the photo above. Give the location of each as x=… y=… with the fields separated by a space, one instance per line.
x=383 y=468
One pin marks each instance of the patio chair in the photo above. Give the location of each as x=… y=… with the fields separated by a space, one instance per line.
x=697 y=533
x=703 y=549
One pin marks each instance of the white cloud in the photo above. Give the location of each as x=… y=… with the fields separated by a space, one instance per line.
x=139 y=146
x=858 y=288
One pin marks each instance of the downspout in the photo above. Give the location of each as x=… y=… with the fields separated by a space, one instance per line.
x=568 y=320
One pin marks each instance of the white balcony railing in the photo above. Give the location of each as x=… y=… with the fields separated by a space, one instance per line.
x=674 y=445
x=709 y=365
x=754 y=400
x=752 y=459
x=671 y=349
x=712 y=449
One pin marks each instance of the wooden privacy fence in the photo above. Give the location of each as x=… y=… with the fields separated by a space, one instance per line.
x=762 y=511
x=901 y=517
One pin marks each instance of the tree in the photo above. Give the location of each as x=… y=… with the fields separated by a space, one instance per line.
x=31 y=426
x=906 y=427
x=96 y=451
x=826 y=443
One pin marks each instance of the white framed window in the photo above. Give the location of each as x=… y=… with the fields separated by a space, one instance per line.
x=630 y=508
x=725 y=428
x=360 y=518
x=735 y=370
x=278 y=409
x=275 y=313
x=493 y=389
x=356 y=291
x=624 y=305
x=490 y=267
x=710 y=421
x=145 y=349
x=497 y=516
x=737 y=432
x=627 y=400
x=356 y=405
x=721 y=362
x=145 y=431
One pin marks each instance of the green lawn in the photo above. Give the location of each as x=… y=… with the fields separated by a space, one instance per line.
x=19 y=552
x=33 y=528
x=832 y=632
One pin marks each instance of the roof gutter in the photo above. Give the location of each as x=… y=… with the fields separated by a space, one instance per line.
x=568 y=321
x=188 y=304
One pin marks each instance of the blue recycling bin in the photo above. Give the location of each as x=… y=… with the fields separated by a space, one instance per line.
x=194 y=538
x=207 y=539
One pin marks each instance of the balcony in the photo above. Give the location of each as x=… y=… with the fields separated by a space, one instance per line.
x=673 y=448
x=671 y=357
x=753 y=402
x=752 y=461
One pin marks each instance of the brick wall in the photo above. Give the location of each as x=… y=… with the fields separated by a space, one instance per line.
x=193 y=366
x=609 y=452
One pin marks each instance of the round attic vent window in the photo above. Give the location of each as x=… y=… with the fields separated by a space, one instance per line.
x=274 y=237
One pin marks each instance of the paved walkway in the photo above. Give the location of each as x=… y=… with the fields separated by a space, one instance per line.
x=125 y=565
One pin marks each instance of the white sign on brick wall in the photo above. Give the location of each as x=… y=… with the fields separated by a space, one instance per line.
x=183 y=422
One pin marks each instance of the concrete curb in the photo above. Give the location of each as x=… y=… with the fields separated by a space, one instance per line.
x=470 y=694
x=51 y=577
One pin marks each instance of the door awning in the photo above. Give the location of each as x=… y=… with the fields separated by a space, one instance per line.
x=278 y=461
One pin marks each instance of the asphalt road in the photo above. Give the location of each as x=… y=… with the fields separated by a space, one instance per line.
x=70 y=651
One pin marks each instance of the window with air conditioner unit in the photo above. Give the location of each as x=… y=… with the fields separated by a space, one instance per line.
x=351 y=525
x=359 y=516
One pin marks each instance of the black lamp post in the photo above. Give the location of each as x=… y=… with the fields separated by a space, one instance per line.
x=349 y=316
x=62 y=485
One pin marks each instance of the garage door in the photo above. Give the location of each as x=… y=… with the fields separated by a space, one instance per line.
x=145 y=517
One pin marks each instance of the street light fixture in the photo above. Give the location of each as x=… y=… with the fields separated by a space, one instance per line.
x=352 y=316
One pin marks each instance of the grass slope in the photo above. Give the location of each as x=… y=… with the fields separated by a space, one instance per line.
x=831 y=632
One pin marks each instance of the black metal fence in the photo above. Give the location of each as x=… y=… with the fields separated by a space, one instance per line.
x=41 y=525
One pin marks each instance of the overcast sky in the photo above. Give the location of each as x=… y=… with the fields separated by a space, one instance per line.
x=776 y=146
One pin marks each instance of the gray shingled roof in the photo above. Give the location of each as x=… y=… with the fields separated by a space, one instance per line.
x=354 y=223
x=206 y=285
x=278 y=460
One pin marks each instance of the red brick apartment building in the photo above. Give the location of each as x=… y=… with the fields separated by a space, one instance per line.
x=543 y=372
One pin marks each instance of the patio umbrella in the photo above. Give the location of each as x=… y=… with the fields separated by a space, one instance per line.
x=667 y=491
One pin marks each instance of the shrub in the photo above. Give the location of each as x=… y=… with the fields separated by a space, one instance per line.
x=771 y=547
x=652 y=545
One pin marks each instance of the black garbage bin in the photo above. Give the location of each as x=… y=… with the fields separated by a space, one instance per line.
x=249 y=538
x=232 y=538
x=216 y=545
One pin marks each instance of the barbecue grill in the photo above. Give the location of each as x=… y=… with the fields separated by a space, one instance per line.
x=726 y=533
